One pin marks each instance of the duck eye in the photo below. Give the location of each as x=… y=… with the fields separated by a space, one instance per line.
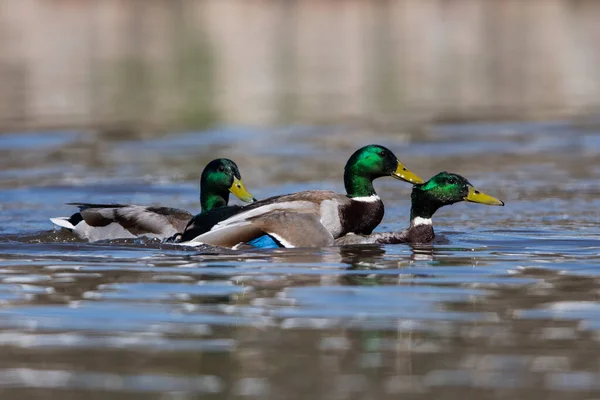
x=452 y=181
x=382 y=153
x=221 y=168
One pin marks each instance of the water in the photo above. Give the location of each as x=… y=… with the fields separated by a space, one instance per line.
x=503 y=304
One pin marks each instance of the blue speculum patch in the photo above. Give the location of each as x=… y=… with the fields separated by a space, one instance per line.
x=264 y=242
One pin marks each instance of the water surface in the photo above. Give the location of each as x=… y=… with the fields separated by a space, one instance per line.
x=503 y=304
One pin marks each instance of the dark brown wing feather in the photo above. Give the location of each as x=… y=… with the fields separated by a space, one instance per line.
x=291 y=229
x=298 y=229
x=138 y=220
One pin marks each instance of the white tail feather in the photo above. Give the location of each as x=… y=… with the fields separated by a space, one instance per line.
x=63 y=222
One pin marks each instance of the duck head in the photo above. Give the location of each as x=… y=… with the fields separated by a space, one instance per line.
x=444 y=189
x=219 y=178
x=372 y=162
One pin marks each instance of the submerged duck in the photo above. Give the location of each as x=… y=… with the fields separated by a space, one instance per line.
x=310 y=218
x=120 y=221
x=441 y=190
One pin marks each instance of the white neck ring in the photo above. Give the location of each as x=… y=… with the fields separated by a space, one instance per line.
x=420 y=221
x=367 y=199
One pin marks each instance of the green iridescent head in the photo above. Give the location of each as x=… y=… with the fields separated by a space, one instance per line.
x=219 y=178
x=372 y=162
x=444 y=189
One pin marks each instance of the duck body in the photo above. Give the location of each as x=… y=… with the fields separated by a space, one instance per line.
x=203 y=222
x=416 y=234
x=441 y=190
x=96 y=222
x=303 y=219
x=315 y=217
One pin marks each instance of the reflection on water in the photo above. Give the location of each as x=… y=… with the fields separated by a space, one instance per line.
x=504 y=303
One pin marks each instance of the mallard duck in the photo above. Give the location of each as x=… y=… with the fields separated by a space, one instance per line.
x=121 y=221
x=310 y=218
x=441 y=190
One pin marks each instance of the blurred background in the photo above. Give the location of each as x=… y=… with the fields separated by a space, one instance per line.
x=173 y=64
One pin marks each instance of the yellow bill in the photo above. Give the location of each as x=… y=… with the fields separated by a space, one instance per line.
x=475 y=196
x=239 y=191
x=404 y=174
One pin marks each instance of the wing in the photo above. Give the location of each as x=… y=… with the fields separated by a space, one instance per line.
x=294 y=229
x=239 y=228
x=116 y=221
x=290 y=228
x=160 y=221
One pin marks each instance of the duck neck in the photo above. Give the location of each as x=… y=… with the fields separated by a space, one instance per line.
x=210 y=200
x=358 y=185
x=422 y=208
